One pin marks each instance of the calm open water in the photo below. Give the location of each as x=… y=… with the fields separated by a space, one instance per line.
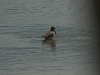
x=24 y=52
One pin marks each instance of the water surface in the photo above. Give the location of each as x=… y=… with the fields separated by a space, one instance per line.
x=24 y=52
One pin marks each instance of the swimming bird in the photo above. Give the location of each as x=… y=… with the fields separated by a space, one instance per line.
x=50 y=33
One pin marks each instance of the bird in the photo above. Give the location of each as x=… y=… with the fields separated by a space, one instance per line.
x=50 y=33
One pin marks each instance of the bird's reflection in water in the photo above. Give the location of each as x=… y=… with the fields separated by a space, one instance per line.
x=50 y=43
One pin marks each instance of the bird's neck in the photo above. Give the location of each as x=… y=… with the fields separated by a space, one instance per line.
x=52 y=30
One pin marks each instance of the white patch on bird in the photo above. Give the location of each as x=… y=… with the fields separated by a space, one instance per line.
x=54 y=33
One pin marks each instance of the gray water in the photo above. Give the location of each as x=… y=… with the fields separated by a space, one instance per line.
x=24 y=52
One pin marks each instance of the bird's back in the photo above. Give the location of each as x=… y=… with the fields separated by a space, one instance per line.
x=48 y=34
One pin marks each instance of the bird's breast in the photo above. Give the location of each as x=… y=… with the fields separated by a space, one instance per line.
x=54 y=33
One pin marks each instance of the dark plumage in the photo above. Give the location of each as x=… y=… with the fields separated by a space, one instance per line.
x=50 y=33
